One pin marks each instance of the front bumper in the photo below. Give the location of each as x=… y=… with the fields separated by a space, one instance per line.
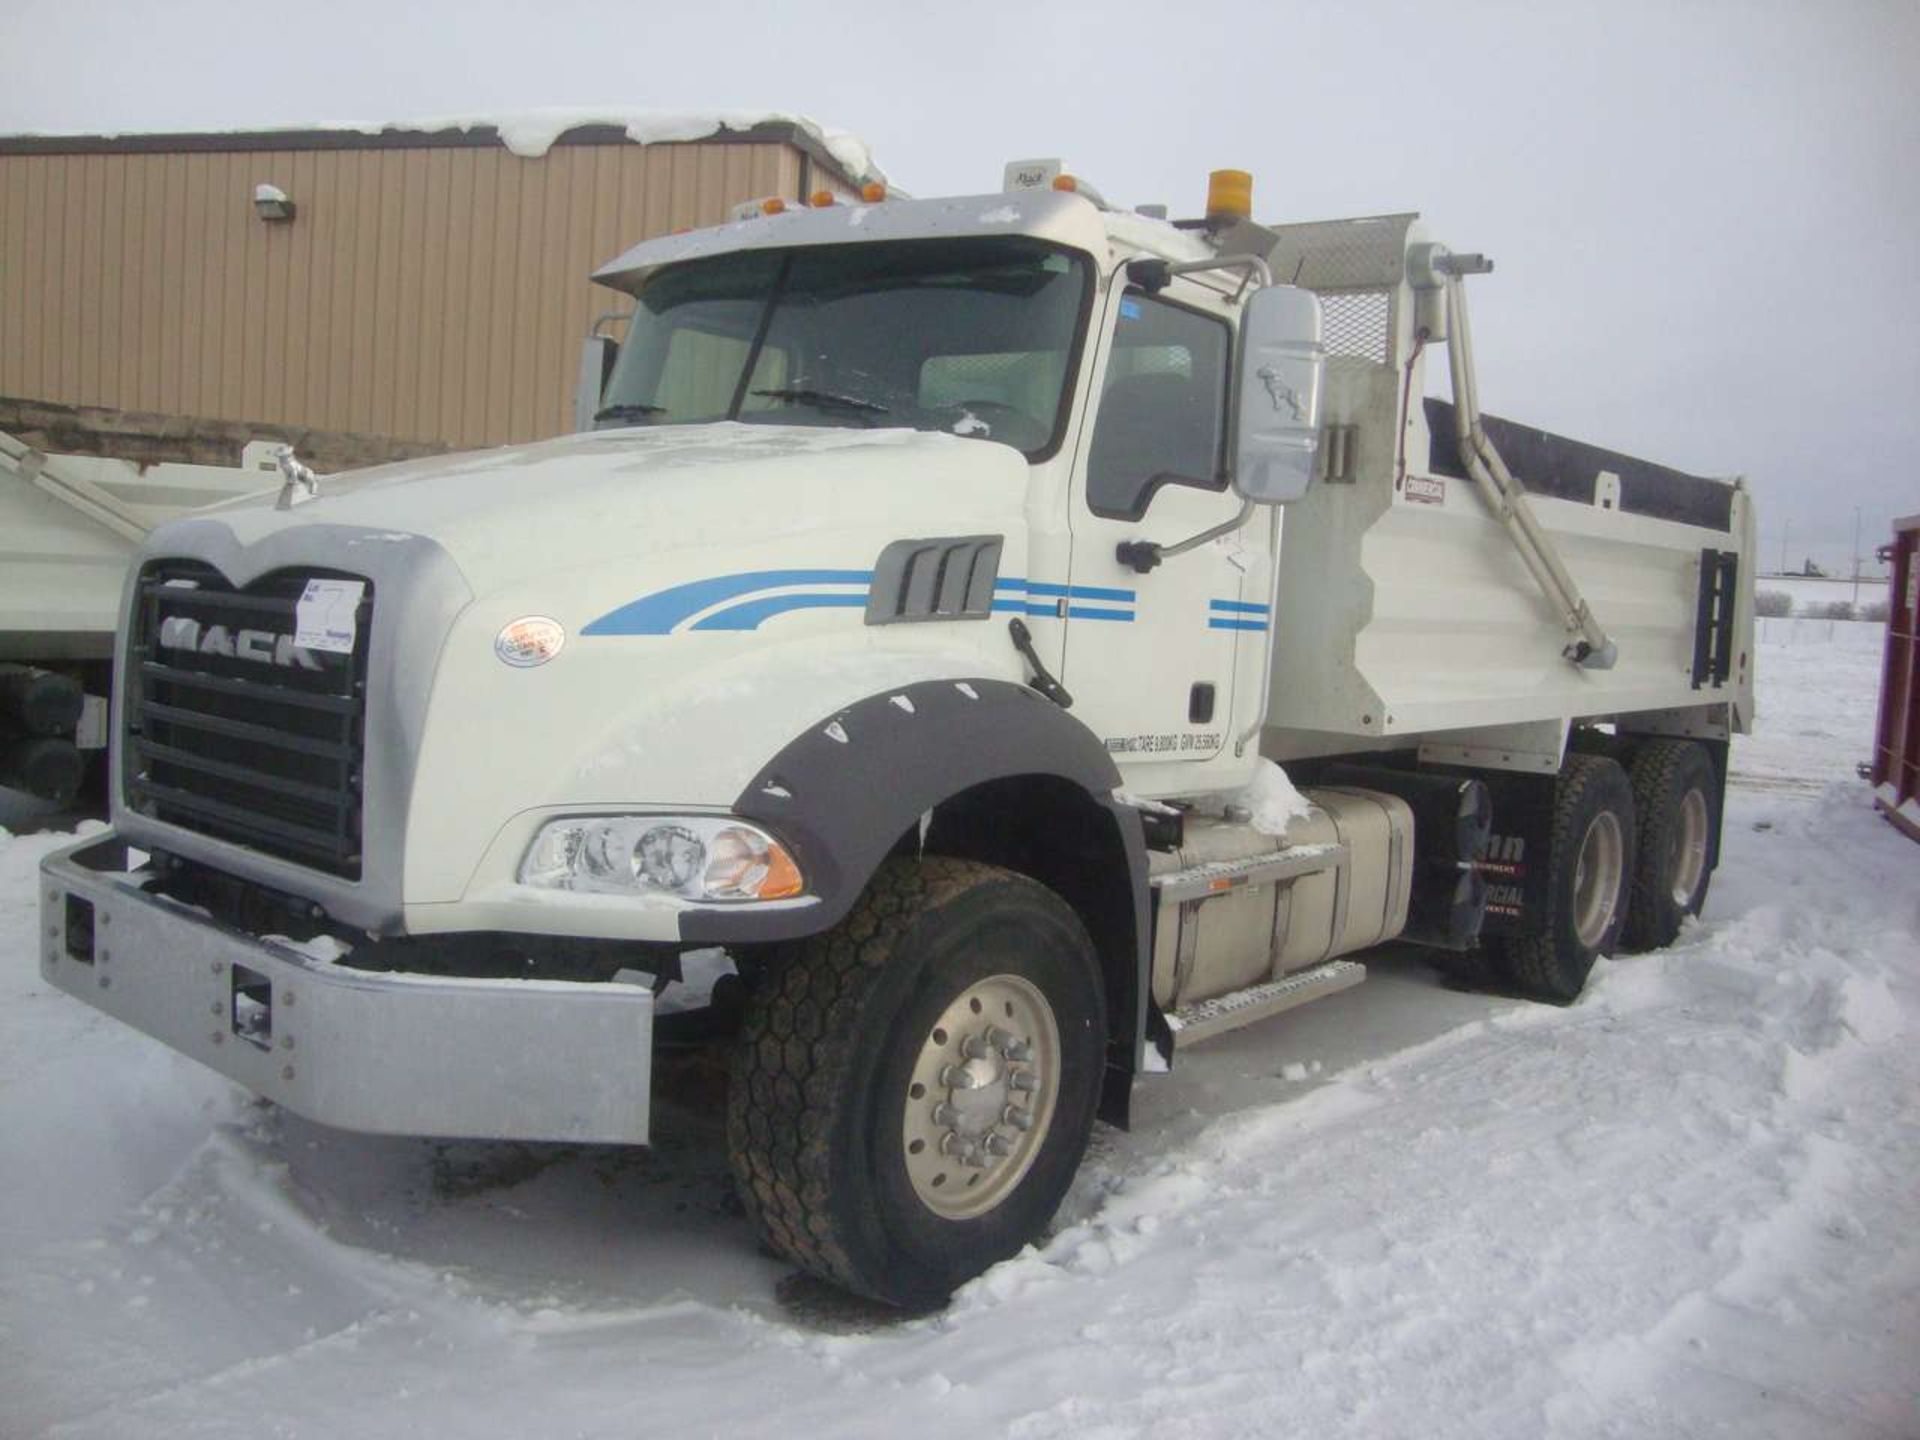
x=386 y=1053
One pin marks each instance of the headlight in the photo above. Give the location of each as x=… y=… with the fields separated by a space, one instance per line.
x=695 y=857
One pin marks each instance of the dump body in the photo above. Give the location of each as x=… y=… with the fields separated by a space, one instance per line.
x=71 y=525
x=1403 y=613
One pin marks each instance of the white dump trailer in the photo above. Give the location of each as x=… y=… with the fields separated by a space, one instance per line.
x=69 y=528
x=917 y=616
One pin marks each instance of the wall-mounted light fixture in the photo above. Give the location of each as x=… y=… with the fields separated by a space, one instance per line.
x=270 y=202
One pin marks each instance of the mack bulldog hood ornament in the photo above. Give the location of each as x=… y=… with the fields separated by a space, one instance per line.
x=301 y=484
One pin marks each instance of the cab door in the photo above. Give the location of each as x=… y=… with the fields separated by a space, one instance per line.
x=1150 y=656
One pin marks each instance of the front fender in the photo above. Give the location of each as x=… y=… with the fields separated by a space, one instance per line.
x=845 y=789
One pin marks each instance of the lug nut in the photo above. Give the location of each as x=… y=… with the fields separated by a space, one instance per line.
x=1024 y=1081
x=977 y=1047
x=999 y=1145
x=945 y=1114
x=1020 y=1119
x=1017 y=1049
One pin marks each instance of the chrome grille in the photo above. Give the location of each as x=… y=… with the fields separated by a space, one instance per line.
x=232 y=733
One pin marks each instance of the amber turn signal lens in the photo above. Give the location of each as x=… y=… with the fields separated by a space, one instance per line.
x=783 y=876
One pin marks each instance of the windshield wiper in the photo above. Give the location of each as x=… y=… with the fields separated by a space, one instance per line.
x=629 y=412
x=824 y=399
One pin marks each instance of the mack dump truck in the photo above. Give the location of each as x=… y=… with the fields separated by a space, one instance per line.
x=917 y=616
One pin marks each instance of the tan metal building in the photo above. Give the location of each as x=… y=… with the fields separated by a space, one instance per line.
x=429 y=289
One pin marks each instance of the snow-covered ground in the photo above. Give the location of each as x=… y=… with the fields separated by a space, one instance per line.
x=1686 y=1206
x=1809 y=592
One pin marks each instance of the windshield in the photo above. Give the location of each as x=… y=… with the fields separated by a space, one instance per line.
x=970 y=337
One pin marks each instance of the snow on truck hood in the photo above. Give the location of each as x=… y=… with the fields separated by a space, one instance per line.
x=519 y=511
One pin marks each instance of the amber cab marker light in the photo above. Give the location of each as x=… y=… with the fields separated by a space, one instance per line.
x=772 y=206
x=1066 y=183
x=873 y=192
x=1229 y=195
x=820 y=199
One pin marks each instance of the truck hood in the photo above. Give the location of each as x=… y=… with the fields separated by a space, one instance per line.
x=508 y=515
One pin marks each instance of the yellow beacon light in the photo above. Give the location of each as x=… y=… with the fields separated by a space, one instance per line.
x=1229 y=195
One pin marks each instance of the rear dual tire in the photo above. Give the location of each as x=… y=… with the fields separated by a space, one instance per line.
x=1590 y=867
x=1675 y=792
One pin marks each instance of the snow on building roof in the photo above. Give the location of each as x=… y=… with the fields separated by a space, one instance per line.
x=527 y=133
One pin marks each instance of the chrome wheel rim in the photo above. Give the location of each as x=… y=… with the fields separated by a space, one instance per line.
x=1689 y=848
x=1596 y=879
x=981 y=1097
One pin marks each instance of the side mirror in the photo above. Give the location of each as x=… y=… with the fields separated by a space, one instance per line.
x=597 y=354
x=1277 y=410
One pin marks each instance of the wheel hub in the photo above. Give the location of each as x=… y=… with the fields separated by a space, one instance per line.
x=1598 y=873
x=981 y=1096
x=1689 y=862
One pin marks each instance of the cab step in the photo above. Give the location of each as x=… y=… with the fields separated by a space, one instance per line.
x=1216 y=877
x=1209 y=1018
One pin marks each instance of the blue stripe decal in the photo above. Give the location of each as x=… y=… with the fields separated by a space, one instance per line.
x=666 y=610
x=1218 y=624
x=1238 y=607
x=1072 y=592
x=748 y=614
x=658 y=613
x=1026 y=607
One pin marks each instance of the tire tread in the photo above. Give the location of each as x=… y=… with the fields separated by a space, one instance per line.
x=1535 y=961
x=792 y=1063
x=1651 y=924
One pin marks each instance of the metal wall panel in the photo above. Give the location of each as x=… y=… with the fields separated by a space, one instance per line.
x=430 y=294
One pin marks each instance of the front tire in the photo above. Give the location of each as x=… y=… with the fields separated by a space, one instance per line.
x=914 y=1090
x=1590 y=863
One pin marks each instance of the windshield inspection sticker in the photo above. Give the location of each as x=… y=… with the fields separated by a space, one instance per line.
x=324 y=615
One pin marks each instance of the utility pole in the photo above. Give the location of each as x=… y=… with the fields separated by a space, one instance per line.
x=1856 y=557
x=1786 y=528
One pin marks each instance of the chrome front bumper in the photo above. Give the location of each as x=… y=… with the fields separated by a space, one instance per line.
x=387 y=1053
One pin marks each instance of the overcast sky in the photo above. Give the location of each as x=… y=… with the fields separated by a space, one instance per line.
x=1706 y=216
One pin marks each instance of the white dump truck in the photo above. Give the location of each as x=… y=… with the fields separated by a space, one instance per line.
x=69 y=528
x=917 y=617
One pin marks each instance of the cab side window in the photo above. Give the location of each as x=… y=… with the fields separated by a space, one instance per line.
x=1163 y=407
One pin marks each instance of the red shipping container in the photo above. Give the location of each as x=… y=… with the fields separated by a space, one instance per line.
x=1896 y=747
